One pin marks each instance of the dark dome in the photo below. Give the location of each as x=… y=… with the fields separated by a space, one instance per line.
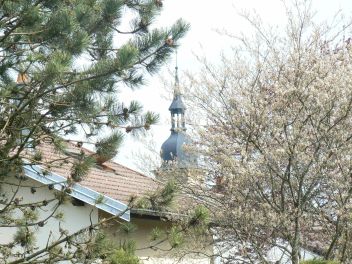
x=171 y=149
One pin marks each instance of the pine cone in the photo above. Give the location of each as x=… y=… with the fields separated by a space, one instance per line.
x=169 y=41
x=159 y=3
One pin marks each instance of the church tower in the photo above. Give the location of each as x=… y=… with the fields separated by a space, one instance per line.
x=172 y=151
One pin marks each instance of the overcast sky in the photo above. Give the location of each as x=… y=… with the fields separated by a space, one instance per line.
x=204 y=17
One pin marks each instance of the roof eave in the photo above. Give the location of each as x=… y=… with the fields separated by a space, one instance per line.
x=155 y=213
x=78 y=191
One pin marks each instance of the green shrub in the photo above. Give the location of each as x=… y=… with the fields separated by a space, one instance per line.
x=319 y=261
x=123 y=257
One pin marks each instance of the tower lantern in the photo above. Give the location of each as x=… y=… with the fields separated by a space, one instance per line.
x=177 y=108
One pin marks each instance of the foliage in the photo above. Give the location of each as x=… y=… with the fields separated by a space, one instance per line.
x=125 y=254
x=123 y=257
x=176 y=237
x=128 y=227
x=24 y=237
x=107 y=148
x=319 y=262
x=276 y=140
x=81 y=167
x=156 y=233
x=200 y=216
x=184 y=221
x=70 y=58
x=160 y=199
x=108 y=251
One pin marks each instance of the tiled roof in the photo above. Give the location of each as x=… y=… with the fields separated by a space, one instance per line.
x=111 y=179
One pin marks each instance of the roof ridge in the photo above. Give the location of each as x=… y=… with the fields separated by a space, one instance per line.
x=133 y=170
x=111 y=161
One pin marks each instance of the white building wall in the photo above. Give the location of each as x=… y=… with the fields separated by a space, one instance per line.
x=275 y=255
x=74 y=217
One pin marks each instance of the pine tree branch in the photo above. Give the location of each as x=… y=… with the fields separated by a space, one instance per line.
x=19 y=23
x=67 y=238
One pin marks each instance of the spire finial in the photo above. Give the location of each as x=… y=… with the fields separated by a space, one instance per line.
x=177 y=82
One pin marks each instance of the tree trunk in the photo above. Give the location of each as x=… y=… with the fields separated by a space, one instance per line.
x=296 y=242
x=295 y=255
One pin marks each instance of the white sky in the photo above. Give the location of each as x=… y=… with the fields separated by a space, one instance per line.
x=205 y=16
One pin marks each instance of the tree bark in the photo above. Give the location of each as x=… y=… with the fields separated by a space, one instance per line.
x=296 y=242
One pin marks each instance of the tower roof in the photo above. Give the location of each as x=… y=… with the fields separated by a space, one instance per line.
x=177 y=106
x=171 y=149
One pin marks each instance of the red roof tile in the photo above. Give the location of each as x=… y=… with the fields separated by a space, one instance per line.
x=111 y=179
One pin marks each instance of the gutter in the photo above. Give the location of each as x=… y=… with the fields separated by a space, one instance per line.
x=80 y=192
